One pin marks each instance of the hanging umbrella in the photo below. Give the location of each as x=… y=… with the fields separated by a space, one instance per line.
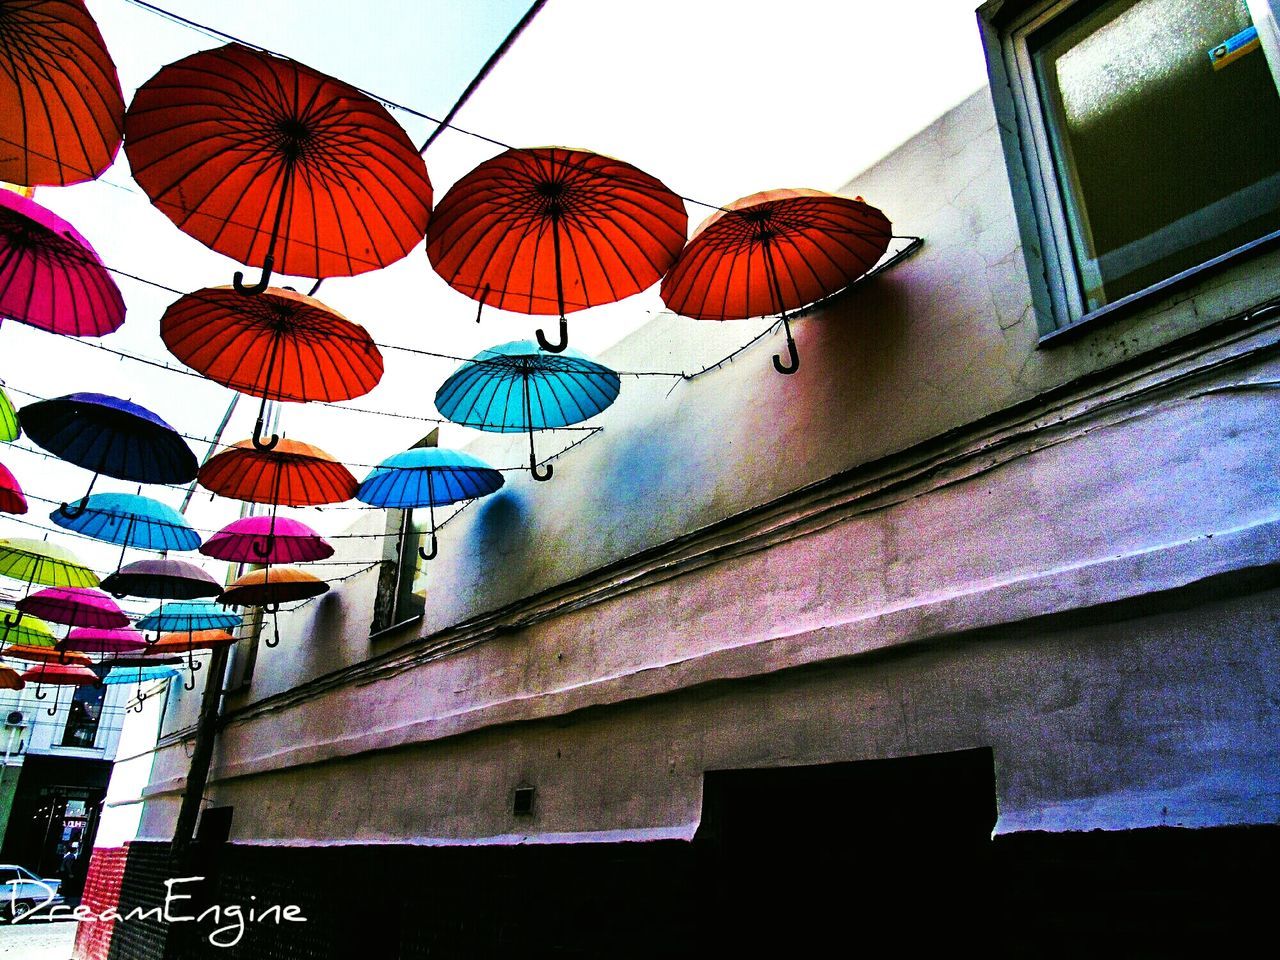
x=131 y=520
x=279 y=346
x=162 y=579
x=517 y=388
x=38 y=561
x=189 y=617
x=9 y=429
x=271 y=587
x=50 y=277
x=47 y=655
x=75 y=607
x=12 y=499
x=64 y=113
x=427 y=477
x=550 y=230
x=271 y=162
x=59 y=675
x=772 y=252
x=25 y=631
x=108 y=435
x=10 y=679
x=291 y=474
x=172 y=643
x=94 y=640
x=267 y=540
x=137 y=674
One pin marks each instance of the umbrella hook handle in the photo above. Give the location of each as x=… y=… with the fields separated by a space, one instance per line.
x=260 y=444
x=431 y=554
x=795 y=359
x=533 y=469
x=550 y=347
x=41 y=694
x=273 y=609
x=264 y=548
x=138 y=709
x=10 y=622
x=71 y=512
x=268 y=263
x=190 y=682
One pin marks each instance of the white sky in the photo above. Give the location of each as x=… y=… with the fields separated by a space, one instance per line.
x=718 y=98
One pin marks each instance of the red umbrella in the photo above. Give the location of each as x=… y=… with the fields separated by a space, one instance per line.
x=269 y=161
x=11 y=497
x=772 y=252
x=63 y=111
x=60 y=675
x=49 y=275
x=279 y=346
x=293 y=474
x=551 y=230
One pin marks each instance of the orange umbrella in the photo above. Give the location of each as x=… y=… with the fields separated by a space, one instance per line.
x=271 y=587
x=171 y=643
x=10 y=680
x=20 y=651
x=772 y=252
x=551 y=230
x=269 y=161
x=63 y=113
x=292 y=474
x=279 y=346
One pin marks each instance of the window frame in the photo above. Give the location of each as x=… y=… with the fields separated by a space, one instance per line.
x=1041 y=210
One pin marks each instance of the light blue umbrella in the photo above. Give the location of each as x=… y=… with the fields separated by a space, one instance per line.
x=131 y=520
x=518 y=388
x=190 y=615
x=138 y=674
x=427 y=476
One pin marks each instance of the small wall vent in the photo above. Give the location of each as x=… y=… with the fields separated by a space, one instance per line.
x=522 y=805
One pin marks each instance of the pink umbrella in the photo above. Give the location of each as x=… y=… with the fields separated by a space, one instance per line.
x=50 y=277
x=75 y=606
x=11 y=497
x=94 y=640
x=267 y=540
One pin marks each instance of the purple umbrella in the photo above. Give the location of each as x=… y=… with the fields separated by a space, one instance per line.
x=162 y=580
x=267 y=540
x=50 y=277
x=74 y=606
x=93 y=640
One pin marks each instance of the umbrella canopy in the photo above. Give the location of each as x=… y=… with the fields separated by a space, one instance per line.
x=269 y=161
x=279 y=346
x=551 y=230
x=772 y=252
x=10 y=679
x=189 y=617
x=12 y=500
x=42 y=562
x=46 y=655
x=131 y=520
x=291 y=474
x=50 y=277
x=518 y=388
x=163 y=579
x=123 y=673
x=173 y=643
x=267 y=540
x=109 y=435
x=425 y=477
x=28 y=632
x=273 y=586
x=75 y=607
x=64 y=112
x=94 y=640
x=61 y=674
x=9 y=429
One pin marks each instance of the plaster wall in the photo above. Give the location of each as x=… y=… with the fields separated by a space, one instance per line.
x=733 y=572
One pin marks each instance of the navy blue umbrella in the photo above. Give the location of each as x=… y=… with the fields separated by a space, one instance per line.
x=428 y=476
x=518 y=388
x=109 y=435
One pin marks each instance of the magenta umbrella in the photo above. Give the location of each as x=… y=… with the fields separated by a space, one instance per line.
x=50 y=277
x=74 y=606
x=94 y=640
x=267 y=540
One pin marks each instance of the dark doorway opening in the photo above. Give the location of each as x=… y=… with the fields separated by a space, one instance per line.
x=847 y=854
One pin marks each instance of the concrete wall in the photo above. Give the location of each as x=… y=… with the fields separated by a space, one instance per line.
x=937 y=535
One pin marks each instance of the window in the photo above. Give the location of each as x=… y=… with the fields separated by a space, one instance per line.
x=1144 y=147
x=402 y=579
x=85 y=714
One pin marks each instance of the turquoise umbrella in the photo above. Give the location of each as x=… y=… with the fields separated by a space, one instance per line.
x=131 y=520
x=428 y=477
x=189 y=616
x=518 y=388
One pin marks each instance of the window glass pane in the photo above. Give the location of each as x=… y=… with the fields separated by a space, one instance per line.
x=1166 y=155
x=411 y=591
x=84 y=716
